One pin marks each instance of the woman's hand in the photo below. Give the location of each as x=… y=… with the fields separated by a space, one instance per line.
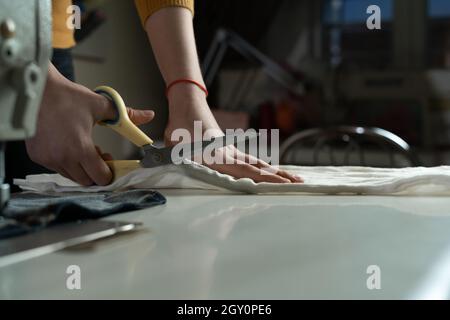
x=188 y=104
x=171 y=35
x=63 y=140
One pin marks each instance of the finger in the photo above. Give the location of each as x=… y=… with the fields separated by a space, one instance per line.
x=255 y=161
x=107 y=157
x=245 y=170
x=64 y=173
x=293 y=177
x=271 y=169
x=76 y=173
x=95 y=166
x=282 y=173
x=266 y=176
x=139 y=117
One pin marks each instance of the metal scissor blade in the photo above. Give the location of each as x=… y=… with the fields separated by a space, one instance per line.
x=51 y=239
x=161 y=156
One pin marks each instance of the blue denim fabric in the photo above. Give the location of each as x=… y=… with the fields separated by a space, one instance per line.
x=34 y=211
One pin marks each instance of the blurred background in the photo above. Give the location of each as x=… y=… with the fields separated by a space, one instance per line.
x=339 y=92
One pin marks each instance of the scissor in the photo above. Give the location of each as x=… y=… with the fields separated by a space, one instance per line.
x=153 y=156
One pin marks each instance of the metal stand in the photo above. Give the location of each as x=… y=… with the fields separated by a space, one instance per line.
x=225 y=39
x=4 y=188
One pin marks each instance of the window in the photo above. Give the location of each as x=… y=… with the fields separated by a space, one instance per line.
x=439 y=8
x=347 y=40
x=439 y=33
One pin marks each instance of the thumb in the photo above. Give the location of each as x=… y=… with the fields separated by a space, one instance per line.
x=139 y=117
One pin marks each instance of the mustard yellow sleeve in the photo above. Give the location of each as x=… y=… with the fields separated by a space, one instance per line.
x=62 y=35
x=148 y=7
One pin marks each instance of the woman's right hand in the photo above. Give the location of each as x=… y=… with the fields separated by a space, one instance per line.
x=63 y=140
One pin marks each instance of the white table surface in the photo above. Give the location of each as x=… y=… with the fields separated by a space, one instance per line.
x=211 y=246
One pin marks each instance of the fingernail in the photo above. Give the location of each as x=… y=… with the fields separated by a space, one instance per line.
x=298 y=178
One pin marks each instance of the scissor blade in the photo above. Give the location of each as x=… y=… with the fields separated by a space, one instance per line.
x=161 y=156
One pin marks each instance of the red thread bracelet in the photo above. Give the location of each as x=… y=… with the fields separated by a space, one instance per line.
x=201 y=87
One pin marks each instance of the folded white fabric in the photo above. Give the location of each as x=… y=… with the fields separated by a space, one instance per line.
x=324 y=180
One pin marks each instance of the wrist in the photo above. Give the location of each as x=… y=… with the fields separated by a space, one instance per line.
x=185 y=94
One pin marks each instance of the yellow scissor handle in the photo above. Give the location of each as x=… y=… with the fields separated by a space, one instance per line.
x=122 y=124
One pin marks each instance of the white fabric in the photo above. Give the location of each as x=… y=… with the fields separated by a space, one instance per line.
x=325 y=180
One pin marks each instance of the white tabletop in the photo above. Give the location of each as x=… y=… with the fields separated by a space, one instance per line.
x=211 y=246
